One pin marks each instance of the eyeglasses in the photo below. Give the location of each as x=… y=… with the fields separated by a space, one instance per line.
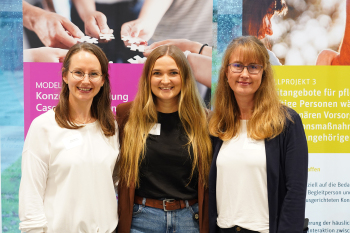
x=79 y=75
x=238 y=68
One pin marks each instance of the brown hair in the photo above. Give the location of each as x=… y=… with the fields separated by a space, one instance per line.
x=269 y=114
x=101 y=104
x=255 y=11
x=143 y=115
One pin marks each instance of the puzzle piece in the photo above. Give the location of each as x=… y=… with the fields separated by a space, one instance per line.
x=88 y=39
x=138 y=60
x=133 y=40
x=107 y=36
x=134 y=47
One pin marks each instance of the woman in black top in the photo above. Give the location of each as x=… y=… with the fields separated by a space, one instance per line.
x=165 y=150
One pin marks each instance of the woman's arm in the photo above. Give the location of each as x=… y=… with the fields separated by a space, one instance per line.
x=33 y=182
x=330 y=57
x=201 y=67
x=200 y=63
x=343 y=58
x=183 y=44
x=44 y=54
x=291 y=218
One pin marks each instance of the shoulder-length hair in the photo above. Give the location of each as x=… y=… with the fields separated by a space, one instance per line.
x=268 y=114
x=255 y=11
x=143 y=115
x=101 y=104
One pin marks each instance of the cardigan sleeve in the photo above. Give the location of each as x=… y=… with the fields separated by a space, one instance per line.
x=291 y=217
x=35 y=167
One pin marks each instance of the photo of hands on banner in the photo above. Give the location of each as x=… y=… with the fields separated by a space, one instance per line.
x=279 y=23
x=52 y=27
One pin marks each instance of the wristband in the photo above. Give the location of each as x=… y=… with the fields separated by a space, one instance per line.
x=202 y=48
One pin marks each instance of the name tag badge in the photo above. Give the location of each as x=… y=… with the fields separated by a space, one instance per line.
x=155 y=129
x=73 y=141
x=252 y=144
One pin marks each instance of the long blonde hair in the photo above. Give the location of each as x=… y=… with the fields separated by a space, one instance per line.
x=269 y=114
x=143 y=115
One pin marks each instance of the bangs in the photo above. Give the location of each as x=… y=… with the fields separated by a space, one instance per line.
x=249 y=53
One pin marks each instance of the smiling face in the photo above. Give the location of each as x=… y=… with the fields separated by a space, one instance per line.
x=166 y=80
x=243 y=84
x=83 y=90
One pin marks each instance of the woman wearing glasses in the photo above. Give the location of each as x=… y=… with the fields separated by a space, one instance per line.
x=165 y=150
x=258 y=177
x=70 y=152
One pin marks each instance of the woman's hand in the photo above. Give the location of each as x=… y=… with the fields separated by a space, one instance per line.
x=52 y=29
x=96 y=23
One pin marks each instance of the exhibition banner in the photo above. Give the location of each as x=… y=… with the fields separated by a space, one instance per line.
x=304 y=39
x=43 y=82
x=307 y=37
x=321 y=96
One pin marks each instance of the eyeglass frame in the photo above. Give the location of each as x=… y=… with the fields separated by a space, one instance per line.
x=82 y=78
x=261 y=66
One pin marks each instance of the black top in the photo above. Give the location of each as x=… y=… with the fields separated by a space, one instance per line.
x=166 y=168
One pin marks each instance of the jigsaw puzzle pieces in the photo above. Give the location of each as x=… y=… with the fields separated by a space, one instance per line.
x=137 y=60
x=134 y=47
x=135 y=44
x=132 y=40
x=88 y=39
x=93 y=40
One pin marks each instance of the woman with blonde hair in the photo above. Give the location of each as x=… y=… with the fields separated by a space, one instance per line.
x=165 y=150
x=70 y=152
x=258 y=176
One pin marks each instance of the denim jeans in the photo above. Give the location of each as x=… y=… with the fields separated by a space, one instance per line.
x=152 y=220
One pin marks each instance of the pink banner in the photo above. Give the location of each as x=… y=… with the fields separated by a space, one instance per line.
x=43 y=82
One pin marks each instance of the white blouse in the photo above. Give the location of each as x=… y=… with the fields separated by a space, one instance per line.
x=241 y=187
x=66 y=183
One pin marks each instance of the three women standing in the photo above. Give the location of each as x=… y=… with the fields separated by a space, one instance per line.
x=257 y=178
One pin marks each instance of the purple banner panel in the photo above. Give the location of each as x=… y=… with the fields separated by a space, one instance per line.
x=43 y=82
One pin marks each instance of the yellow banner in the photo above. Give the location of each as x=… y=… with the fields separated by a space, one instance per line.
x=321 y=96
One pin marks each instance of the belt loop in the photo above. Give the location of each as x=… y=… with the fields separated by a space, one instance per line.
x=187 y=205
x=143 y=202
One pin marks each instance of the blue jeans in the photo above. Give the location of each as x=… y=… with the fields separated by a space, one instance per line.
x=152 y=220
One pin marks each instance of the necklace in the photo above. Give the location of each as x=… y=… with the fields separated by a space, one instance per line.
x=85 y=122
